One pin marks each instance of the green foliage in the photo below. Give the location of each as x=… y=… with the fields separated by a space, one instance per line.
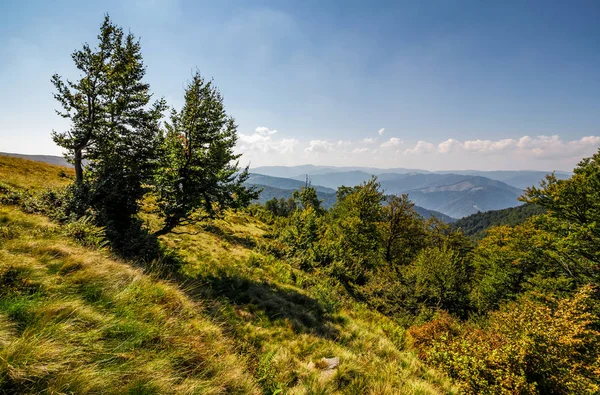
x=302 y=236
x=306 y=197
x=114 y=127
x=440 y=278
x=354 y=233
x=528 y=347
x=267 y=375
x=281 y=207
x=503 y=262
x=197 y=166
x=404 y=230
x=573 y=219
x=85 y=232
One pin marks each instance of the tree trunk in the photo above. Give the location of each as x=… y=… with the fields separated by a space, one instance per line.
x=168 y=226
x=78 y=166
x=161 y=232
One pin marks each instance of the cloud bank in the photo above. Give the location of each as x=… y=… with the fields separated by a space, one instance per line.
x=267 y=147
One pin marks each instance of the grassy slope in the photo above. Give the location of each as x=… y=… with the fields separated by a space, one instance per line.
x=29 y=174
x=75 y=319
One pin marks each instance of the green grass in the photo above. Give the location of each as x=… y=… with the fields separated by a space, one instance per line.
x=75 y=320
x=236 y=320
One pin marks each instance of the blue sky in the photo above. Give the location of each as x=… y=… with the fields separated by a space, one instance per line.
x=426 y=84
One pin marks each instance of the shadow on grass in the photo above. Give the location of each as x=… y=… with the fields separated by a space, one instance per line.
x=264 y=299
x=267 y=303
x=247 y=242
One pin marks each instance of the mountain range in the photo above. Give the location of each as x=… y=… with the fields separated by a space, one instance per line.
x=446 y=194
x=455 y=194
x=517 y=178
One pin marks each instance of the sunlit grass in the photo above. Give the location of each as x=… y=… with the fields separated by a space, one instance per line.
x=75 y=320
x=28 y=174
x=235 y=320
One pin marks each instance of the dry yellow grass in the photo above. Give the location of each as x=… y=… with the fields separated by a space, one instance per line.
x=28 y=174
x=75 y=320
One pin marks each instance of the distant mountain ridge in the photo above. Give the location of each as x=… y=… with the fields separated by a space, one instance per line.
x=283 y=188
x=50 y=159
x=454 y=193
x=517 y=178
x=284 y=183
x=476 y=225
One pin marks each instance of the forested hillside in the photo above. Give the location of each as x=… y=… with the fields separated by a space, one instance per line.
x=476 y=225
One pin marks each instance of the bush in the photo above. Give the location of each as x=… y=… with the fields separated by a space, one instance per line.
x=440 y=278
x=85 y=232
x=527 y=348
x=9 y=195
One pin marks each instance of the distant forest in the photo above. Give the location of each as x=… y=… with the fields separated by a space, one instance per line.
x=476 y=225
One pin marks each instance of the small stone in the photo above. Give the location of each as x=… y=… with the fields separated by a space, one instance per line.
x=329 y=363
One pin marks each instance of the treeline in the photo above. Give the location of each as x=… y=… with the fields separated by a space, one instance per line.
x=516 y=312
x=476 y=225
x=123 y=152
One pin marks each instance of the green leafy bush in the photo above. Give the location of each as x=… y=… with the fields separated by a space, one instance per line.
x=528 y=347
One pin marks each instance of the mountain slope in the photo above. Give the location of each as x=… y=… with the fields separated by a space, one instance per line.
x=454 y=195
x=50 y=159
x=464 y=202
x=517 y=178
x=284 y=183
x=269 y=192
x=233 y=320
x=29 y=174
x=328 y=199
x=73 y=320
x=476 y=225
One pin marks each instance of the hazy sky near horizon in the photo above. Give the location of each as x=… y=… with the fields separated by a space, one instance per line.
x=422 y=84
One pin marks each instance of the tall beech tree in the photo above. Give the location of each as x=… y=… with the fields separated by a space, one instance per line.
x=198 y=174
x=114 y=127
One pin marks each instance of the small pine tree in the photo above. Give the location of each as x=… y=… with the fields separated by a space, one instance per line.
x=197 y=167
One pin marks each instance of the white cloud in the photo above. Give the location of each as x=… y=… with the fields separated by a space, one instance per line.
x=555 y=147
x=543 y=147
x=422 y=147
x=392 y=142
x=381 y=131
x=268 y=146
x=319 y=146
x=490 y=146
x=262 y=141
x=447 y=146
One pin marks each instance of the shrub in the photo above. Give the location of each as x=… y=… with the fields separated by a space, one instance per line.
x=440 y=280
x=85 y=232
x=529 y=347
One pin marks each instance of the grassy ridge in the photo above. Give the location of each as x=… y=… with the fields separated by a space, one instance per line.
x=29 y=174
x=236 y=320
